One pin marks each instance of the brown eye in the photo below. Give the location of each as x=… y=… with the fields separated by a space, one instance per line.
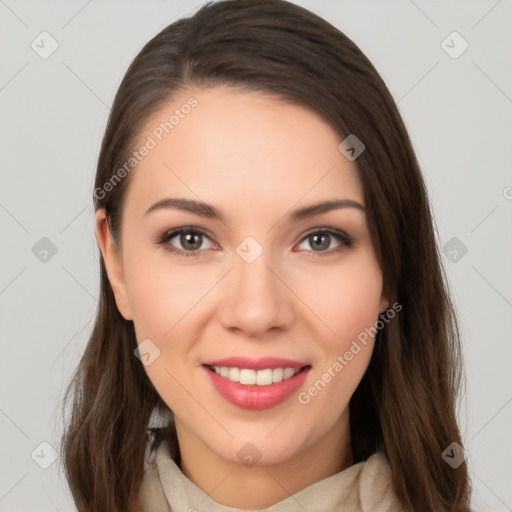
x=192 y=241
x=321 y=241
x=185 y=241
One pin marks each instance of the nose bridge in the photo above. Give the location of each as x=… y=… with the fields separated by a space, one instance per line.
x=255 y=299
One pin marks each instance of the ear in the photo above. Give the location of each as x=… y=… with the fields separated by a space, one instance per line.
x=384 y=303
x=113 y=263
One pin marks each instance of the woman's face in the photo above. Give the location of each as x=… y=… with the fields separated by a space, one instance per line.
x=259 y=276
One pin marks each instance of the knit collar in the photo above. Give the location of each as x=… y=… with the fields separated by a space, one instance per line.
x=362 y=487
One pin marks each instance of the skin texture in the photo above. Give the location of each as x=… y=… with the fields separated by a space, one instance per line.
x=256 y=159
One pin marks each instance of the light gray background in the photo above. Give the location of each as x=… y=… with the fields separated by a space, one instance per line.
x=53 y=114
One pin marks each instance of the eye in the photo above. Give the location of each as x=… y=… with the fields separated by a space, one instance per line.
x=189 y=240
x=321 y=240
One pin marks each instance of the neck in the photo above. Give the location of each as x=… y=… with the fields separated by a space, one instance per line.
x=236 y=485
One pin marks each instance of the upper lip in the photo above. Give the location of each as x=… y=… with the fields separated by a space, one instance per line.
x=256 y=364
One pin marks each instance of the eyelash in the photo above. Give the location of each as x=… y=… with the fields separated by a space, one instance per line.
x=346 y=242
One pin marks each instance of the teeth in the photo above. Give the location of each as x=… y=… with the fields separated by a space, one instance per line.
x=277 y=374
x=288 y=372
x=234 y=374
x=264 y=377
x=259 y=377
x=247 y=377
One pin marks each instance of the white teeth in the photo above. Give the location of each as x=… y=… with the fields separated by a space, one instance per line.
x=234 y=374
x=277 y=374
x=259 y=377
x=264 y=377
x=288 y=372
x=247 y=376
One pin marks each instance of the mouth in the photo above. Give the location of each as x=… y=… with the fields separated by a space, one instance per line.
x=256 y=389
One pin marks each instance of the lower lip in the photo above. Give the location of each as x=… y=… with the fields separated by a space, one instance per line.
x=256 y=397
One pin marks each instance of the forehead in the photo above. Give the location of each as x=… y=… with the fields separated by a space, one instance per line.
x=223 y=145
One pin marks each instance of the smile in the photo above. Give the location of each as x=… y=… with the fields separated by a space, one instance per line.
x=256 y=389
x=247 y=376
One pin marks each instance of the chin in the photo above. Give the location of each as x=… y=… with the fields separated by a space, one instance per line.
x=261 y=445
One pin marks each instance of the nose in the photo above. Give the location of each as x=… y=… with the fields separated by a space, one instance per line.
x=256 y=298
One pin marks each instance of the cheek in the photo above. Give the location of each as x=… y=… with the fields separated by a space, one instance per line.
x=345 y=299
x=348 y=303
x=165 y=301
x=161 y=293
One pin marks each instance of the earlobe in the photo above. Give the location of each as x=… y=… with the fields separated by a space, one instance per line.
x=384 y=304
x=113 y=263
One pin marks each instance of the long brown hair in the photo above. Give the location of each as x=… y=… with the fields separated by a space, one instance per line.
x=406 y=401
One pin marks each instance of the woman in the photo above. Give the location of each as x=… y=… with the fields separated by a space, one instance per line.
x=271 y=286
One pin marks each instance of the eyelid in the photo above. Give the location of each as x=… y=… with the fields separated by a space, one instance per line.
x=177 y=231
x=328 y=230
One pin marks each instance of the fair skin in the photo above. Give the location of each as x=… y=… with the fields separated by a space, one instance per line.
x=256 y=160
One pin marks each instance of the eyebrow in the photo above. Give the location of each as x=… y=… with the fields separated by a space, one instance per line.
x=209 y=211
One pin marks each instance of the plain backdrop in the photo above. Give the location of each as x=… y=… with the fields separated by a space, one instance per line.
x=457 y=108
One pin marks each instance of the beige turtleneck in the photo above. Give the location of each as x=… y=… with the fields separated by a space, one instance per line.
x=363 y=487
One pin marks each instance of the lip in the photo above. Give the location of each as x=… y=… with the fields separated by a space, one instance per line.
x=253 y=397
x=257 y=364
